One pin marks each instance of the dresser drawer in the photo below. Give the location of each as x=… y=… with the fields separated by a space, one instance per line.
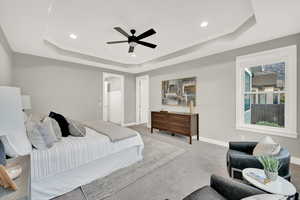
x=159 y=125
x=159 y=117
x=179 y=129
x=180 y=119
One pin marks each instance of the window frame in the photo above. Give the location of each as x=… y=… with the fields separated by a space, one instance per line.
x=285 y=54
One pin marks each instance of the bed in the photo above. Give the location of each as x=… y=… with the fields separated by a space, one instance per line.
x=76 y=161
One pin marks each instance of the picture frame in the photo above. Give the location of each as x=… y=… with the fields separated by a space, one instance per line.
x=179 y=92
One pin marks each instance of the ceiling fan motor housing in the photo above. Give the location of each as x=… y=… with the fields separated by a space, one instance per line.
x=133 y=40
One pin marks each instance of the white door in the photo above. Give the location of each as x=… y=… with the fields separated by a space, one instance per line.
x=113 y=98
x=114 y=105
x=142 y=99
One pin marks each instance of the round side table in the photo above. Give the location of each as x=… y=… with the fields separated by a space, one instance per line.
x=279 y=187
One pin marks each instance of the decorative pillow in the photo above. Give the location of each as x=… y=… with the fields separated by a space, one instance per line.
x=76 y=128
x=36 y=134
x=53 y=133
x=266 y=147
x=56 y=128
x=37 y=117
x=62 y=122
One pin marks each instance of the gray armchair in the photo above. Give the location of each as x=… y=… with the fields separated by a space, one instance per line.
x=223 y=189
x=239 y=157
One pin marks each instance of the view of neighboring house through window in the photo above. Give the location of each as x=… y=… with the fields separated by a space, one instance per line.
x=264 y=95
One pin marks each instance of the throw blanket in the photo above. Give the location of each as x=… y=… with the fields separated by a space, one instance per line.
x=113 y=131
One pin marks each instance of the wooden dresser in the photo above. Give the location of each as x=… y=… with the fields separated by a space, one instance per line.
x=181 y=123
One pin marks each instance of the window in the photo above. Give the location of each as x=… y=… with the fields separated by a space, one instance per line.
x=267 y=92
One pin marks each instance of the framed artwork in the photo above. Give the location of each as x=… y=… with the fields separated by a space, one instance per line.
x=179 y=92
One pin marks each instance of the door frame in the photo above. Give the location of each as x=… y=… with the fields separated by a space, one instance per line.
x=104 y=76
x=138 y=99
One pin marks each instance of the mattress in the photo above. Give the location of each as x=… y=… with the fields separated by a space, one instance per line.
x=73 y=152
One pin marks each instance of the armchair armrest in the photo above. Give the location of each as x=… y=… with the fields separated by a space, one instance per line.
x=246 y=147
x=231 y=189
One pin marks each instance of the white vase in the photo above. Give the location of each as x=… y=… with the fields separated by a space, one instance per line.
x=272 y=176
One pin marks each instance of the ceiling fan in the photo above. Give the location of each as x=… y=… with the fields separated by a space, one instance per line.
x=133 y=40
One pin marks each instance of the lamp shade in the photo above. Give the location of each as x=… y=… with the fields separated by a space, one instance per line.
x=26 y=102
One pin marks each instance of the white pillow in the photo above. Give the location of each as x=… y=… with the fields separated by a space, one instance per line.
x=35 y=136
x=41 y=134
x=266 y=147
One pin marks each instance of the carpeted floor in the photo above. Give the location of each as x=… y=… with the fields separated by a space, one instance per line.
x=179 y=177
x=156 y=154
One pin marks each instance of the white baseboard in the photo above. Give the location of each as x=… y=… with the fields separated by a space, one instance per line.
x=129 y=124
x=294 y=160
x=213 y=141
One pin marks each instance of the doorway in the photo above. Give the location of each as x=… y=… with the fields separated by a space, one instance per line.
x=142 y=99
x=113 y=98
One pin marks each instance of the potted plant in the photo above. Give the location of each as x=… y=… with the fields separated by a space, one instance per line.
x=271 y=166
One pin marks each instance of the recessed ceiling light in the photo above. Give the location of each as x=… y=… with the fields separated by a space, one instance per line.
x=133 y=55
x=73 y=36
x=204 y=24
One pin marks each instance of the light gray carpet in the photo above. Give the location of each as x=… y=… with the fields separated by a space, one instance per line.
x=156 y=153
x=179 y=177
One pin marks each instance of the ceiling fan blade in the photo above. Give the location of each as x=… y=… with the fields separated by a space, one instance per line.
x=120 y=30
x=147 y=44
x=131 y=49
x=116 y=42
x=146 y=34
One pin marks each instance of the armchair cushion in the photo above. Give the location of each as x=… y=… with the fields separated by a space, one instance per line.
x=204 y=193
x=223 y=189
x=232 y=190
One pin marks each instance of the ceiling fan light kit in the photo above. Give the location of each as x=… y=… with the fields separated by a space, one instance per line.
x=133 y=40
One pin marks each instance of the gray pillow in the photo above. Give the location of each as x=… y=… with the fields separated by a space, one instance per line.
x=54 y=127
x=76 y=128
x=52 y=130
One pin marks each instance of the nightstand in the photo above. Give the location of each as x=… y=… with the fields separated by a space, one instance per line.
x=23 y=181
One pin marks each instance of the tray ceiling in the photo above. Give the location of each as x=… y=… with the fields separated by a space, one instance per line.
x=43 y=28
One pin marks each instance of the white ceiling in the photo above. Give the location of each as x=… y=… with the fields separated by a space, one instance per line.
x=42 y=27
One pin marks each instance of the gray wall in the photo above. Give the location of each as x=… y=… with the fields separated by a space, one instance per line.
x=216 y=92
x=5 y=60
x=69 y=88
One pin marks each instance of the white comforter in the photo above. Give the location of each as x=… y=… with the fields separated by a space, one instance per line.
x=73 y=152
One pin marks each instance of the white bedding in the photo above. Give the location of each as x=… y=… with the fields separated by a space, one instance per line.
x=73 y=152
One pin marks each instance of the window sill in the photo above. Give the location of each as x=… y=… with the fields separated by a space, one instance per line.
x=269 y=131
